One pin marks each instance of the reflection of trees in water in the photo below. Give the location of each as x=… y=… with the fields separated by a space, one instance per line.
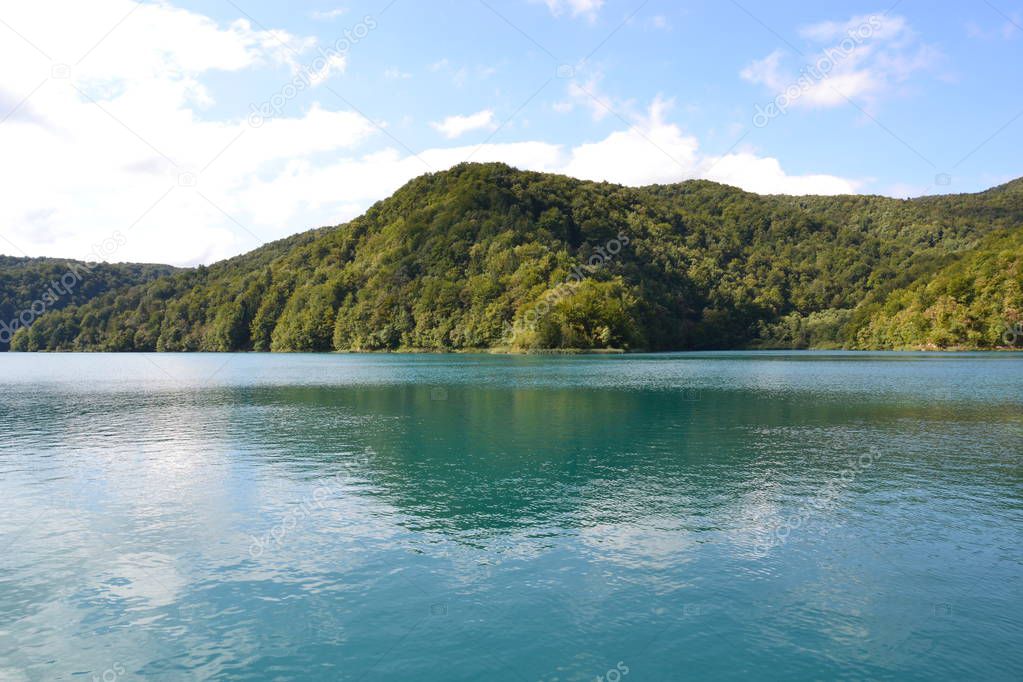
x=478 y=461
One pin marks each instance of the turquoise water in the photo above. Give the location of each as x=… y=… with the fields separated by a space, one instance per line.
x=704 y=516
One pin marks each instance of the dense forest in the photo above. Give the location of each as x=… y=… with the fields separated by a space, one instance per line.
x=33 y=287
x=487 y=256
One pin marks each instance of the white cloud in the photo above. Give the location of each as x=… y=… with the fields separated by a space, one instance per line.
x=767 y=71
x=652 y=151
x=104 y=149
x=765 y=175
x=655 y=151
x=864 y=57
x=328 y=15
x=456 y=126
x=587 y=9
x=115 y=146
x=589 y=94
x=334 y=63
x=395 y=73
x=1011 y=29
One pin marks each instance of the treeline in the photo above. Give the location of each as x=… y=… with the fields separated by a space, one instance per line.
x=486 y=256
x=33 y=287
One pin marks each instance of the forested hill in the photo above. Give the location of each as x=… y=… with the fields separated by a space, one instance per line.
x=33 y=287
x=485 y=256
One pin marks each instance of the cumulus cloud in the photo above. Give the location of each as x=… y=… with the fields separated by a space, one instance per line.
x=127 y=133
x=653 y=150
x=456 y=126
x=114 y=133
x=863 y=57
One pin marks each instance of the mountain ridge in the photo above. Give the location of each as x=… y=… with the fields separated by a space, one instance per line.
x=487 y=256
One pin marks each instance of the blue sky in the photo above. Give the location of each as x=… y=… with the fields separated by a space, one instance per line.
x=198 y=130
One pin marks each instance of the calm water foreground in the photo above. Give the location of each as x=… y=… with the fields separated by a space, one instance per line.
x=719 y=516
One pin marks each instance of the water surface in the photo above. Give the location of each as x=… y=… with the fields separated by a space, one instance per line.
x=700 y=516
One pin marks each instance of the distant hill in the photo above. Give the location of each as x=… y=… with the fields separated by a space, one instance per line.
x=1013 y=186
x=33 y=287
x=487 y=256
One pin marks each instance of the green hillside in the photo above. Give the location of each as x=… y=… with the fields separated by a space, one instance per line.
x=486 y=256
x=33 y=287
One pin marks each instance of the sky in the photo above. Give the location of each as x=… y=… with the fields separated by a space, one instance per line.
x=186 y=132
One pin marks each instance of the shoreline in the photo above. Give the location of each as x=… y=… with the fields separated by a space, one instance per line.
x=535 y=352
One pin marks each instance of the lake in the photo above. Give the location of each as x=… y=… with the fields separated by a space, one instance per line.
x=688 y=516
